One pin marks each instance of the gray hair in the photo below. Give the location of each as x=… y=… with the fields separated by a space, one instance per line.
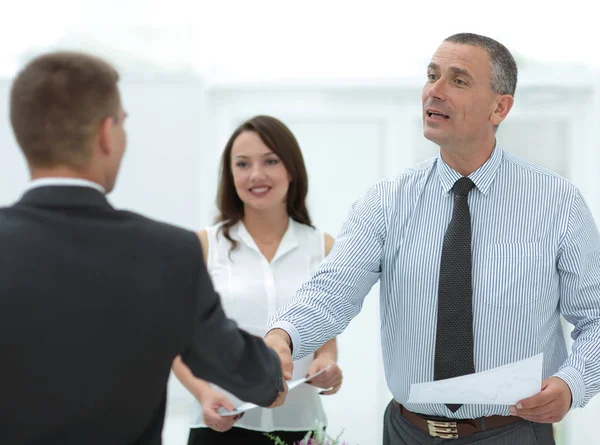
x=503 y=68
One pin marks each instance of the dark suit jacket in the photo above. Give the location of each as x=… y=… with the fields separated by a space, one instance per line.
x=95 y=304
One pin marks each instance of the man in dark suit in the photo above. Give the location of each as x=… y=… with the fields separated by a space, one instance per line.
x=95 y=303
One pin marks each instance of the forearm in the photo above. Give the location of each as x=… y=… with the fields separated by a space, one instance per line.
x=223 y=354
x=581 y=370
x=197 y=387
x=316 y=315
x=324 y=306
x=329 y=349
x=249 y=369
x=579 y=271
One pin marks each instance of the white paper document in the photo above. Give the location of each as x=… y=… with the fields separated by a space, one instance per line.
x=505 y=385
x=248 y=406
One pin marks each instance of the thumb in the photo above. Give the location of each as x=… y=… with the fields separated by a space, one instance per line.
x=225 y=403
x=313 y=368
x=536 y=399
x=287 y=366
x=546 y=383
x=287 y=374
x=316 y=366
x=540 y=399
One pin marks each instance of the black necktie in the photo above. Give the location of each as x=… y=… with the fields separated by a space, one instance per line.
x=454 y=335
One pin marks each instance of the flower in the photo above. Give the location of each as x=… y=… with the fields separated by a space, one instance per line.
x=317 y=436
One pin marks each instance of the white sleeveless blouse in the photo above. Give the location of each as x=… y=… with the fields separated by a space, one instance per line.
x=252 y=290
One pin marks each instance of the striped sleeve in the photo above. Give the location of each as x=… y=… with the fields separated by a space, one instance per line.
x=578 y=265
x=325 y=304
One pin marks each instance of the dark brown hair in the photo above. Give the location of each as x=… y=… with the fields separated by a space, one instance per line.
x=57 y=102
x=282 y=142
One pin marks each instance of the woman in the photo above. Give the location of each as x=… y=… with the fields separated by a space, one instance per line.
x=261 y=250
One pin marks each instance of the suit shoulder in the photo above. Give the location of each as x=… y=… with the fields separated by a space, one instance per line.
x=163 y=232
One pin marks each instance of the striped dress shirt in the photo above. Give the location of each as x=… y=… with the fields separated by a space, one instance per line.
x=536 y=255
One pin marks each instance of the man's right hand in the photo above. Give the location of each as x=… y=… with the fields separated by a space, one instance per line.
x=280 y=342
x=280 y=400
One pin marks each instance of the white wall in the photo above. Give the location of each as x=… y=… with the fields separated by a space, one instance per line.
x=161 y=174
x=13 y=170
x=351 y=136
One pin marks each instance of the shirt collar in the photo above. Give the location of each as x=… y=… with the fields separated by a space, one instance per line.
x=288 y=242
x=482 y=177
x=50 y=181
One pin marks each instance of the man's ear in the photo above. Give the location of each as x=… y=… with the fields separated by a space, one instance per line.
x=105 y=135
x=503 y=107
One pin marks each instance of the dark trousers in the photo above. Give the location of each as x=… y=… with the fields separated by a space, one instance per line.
x=241 y=436
x=399 y=431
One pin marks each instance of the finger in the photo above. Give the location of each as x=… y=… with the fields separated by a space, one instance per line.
x=280 y=398
x=536 y=415
x=327 y=380
x=223 y=428
x=536 y=401
x=326 y=368
x=321 y=383
x=550 y=418
x=279 y=401
x=339 y=378
x=314 y=368
x=331 y=391
x=328 y=372
x=317 y=380
x=215 y=427
x=539 y=411
x=325 y=383
x=226 y=422
x=540 y=399
x=211 y=416
x=334 y=380
x=225 y=403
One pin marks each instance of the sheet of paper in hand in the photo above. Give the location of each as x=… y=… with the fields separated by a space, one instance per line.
x=504 y=385
x=248 y=406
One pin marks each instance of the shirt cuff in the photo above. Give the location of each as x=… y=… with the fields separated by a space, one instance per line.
x=292 y=332
x=574 y=379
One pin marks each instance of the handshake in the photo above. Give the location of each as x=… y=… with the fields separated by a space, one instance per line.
x=280 y=342
x=212 y=400
x=277 y=339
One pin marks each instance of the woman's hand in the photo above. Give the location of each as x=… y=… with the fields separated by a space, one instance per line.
x=330 y=379
x=211 y=401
